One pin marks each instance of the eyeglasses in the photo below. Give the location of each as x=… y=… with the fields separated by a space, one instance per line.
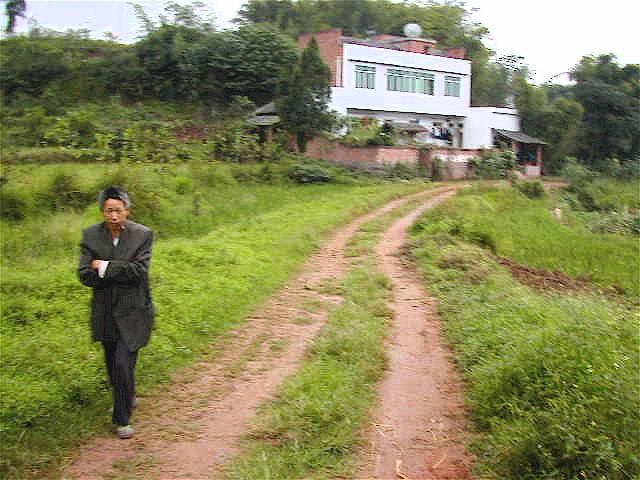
x=117 y=211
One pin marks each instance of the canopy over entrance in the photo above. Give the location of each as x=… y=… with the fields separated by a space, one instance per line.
x=520 y=137
x=528 y=150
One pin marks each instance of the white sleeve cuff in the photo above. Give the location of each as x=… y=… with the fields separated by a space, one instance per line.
x=103 y=268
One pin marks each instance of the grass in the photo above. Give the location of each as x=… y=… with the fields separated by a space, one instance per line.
x=552 y=377
x=54 y=390
x=313 y=429
x=513 y=226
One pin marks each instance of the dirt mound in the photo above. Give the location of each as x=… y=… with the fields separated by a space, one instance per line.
x=544 y=279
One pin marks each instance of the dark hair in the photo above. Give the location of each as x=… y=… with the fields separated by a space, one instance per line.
x=115 y=192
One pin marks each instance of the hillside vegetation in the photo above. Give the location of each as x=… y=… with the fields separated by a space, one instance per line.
x=552 y=373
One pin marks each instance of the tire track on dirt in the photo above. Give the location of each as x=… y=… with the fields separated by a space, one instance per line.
x=190 y=430
x=419 y=425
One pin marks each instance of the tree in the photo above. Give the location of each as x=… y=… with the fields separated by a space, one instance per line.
x=29 y=65
x=556 y=122
x=562 y=122
x=610 y=96
x=303 y=96
x=168 y=59
x=14 y=9
x=246 y=62
x=194 y=16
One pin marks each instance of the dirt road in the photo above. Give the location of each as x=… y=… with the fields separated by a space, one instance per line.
x=192 y=428
x=418 y=431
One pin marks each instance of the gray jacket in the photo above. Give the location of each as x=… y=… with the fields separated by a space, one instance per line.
x=123 y=295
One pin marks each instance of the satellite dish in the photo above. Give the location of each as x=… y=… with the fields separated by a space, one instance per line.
x=412 y=30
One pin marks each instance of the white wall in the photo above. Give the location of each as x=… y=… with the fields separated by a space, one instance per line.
x=480 y=121
x=380 y=98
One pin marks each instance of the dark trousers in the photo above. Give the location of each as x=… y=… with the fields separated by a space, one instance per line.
x=121 y=367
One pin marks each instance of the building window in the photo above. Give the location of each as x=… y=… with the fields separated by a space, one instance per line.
x=410 y=81
x=451 y=86
x=365 y=76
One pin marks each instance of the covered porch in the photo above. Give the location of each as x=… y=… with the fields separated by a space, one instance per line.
x=529 y=150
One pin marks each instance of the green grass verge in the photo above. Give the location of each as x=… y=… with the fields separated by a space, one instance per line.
x=313 y=428
x=54 y=392
x=513 y=226
x=553 y=378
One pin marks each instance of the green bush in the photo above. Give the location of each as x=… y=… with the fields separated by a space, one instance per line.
x=309 y=173
x=402 y=171
x=623 y=223
x=531 y=188
x=630 y=170
x=13 y=205
x=383 y=136
x=26 y=128
x=438 y=169
x=514 y=226
x=359 y=131
x=183 y=185
x=234 y=142
x=75 y=129
x=592 y=193
x=576 y=174
x=493 y=164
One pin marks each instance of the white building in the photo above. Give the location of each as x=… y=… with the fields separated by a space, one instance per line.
x=408 y=79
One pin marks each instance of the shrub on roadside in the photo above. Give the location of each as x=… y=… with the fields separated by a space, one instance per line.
x=493 y=164
x=402 y=171
x=531 y=188
x=309 y=173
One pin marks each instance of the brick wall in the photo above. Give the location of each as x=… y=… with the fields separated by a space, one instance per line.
x=455 y=159
x=336 y=152
x=330 y=46
x=456 y=53
x=414 y=45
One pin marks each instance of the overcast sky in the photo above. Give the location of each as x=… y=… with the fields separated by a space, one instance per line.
x=552 y=35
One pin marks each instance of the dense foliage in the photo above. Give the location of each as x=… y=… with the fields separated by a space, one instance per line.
x=171 y=62
x=596 y=120
x=493 y=164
